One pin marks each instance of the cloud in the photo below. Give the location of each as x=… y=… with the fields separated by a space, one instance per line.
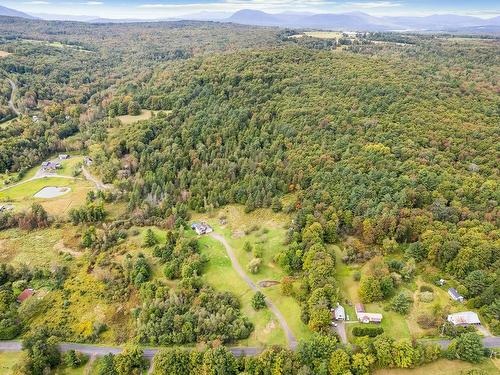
x=374 y=4
x=37 y=3
x=92 y=3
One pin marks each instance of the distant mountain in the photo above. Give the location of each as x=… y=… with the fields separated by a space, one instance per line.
x=359 y=21
x=4 y=11
x=256 y=17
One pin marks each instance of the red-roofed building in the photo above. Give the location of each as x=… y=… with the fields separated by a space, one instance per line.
x=27 y=293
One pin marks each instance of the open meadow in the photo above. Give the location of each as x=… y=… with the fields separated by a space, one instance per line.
x=265 y=231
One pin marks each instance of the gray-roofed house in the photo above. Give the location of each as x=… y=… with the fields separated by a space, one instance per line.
x=455 y=295
x=201 y=228
x=465 y=318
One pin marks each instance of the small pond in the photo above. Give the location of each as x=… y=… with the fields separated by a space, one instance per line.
x=52 y=192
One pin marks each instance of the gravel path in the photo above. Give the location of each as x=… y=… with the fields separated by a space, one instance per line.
x=292 y=341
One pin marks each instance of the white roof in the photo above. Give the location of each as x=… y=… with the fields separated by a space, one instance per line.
x=466 y=317
x=339 y=310
x=370 y=316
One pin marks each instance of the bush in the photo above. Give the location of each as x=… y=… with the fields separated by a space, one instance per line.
x=258 y=251
x=401 y=303
x=356 y=276
x=254 y=265
x=74 y=359
x=427 y=321
x=426 y=288
x=258 y=301
x=426 y=297
x=367 y=331
x=247 y=246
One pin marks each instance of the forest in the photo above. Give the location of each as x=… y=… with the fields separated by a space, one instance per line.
x=381 y=150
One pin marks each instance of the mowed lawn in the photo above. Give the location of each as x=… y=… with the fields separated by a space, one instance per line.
x=265 y=229
x=220 y=274
x=22 y=196
x=445 y=367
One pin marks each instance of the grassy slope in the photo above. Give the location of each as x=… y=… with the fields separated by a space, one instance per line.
x=270 y=236
x=7 y=362
x=444 y=367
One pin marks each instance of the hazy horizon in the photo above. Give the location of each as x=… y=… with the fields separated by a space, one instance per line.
x=153 y=9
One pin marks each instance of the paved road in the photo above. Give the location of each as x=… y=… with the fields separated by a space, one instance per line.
x=11 y=100
x=292 y=341
x=488 y=342
x=100 y=351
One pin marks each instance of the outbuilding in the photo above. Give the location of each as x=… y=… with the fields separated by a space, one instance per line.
x=25 y=294
x=455 y=295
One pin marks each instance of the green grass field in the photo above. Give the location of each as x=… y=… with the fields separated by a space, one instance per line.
x=21 y=196
x=270 y=235
x=7 y=362
x=445 y=367
x=220 y=274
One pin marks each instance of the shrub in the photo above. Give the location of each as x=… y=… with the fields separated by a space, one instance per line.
x=247 y=246
x=258 y=251
x=427 y=321
x=258 y=301
x=367 y=331
x=426 y=288
x=356 y=276
x=74 y=359
x=254 y=265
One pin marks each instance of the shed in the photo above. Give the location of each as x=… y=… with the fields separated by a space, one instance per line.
x=25 y=294
x=455 y=295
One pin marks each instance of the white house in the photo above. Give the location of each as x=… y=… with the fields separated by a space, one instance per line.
x=201 y=228
x=464 y=318
x=339 y=312
x=455 y=295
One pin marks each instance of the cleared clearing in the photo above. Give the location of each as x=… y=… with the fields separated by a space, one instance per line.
x=4 y=54
x=146 y=114
x=324 y=34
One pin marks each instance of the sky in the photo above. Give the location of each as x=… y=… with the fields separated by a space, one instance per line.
x=175 y=8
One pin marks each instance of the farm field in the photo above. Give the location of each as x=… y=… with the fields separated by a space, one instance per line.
x=446 y=367
x=269 y=235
